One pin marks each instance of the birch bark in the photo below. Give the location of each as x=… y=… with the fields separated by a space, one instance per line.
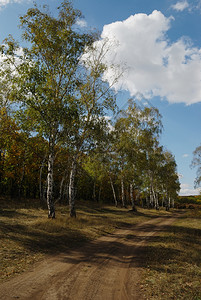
x=122 y=192
x=113 y=191
x=72 y=189
x=132 y=198
x=50 y=203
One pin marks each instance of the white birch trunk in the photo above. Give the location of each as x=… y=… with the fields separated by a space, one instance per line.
x=163 y=199
x=61 y=188
x=66 y=192
x=154 y=197
x=151 y=198
x=72 y=189
x=157 y=204
x=132 y=198
x=147 y=201
x=50 y=203
x=122 y=192
x=113 y=191
x=169 y=202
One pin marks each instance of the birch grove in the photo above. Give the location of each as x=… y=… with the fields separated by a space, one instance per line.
x=60 y=126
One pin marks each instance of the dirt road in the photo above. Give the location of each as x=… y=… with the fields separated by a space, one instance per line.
x=107 y=268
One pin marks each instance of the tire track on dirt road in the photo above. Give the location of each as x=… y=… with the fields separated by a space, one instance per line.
x=107 y=268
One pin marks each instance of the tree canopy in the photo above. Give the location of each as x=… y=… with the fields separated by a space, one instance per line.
x=57 y=140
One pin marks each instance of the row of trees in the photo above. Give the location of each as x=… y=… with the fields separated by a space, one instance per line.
x=55 y=139
x=127 y=161
x=133 y=160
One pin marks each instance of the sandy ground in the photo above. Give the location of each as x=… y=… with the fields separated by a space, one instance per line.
x=105 y=269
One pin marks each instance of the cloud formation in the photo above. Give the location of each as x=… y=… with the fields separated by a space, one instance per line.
x=187 y=190
x=180 y=6
x=155 y=67
x=4 y=3
x=185 y=155
x=81 y=23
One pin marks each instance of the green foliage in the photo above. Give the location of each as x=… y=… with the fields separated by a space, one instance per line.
x=189 y=200
x=53 y=104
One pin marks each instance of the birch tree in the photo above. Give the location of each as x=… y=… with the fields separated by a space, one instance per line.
x=196 y=163
x=137 y=132
x=43 y=75
x=93 y=98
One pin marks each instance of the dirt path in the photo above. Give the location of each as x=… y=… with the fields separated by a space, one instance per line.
x=107 y=268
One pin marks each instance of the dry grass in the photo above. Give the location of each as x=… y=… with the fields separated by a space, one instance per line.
x=27 y=235
x=172 y=263
x=171 y=260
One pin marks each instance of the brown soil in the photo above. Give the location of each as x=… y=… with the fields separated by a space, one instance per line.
x=107 y=268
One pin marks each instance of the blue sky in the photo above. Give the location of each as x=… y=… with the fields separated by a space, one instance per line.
x=160 y=43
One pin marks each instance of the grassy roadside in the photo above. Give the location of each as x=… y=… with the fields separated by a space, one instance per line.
x=171 y=259
x=27 y=235
x=172 y=263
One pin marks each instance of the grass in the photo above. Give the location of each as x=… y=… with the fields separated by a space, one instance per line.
x=27 y=235
x=172 y=261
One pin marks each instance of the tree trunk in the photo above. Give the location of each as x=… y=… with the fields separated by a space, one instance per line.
x=122 y=192
x=132 y=198
x=23 y=172
x=169 y=202
x=50 y=203
x=157 y=204
x=2 y=159
x=61 y=187
x=113 y=191
x=72 y=189
x=172 y=203
x=44 y=191
x=154 y=198
x=99 y=193
x=61 y=190
x=151 y=198
x=40 y=183
x=163 y=199
x=66 y=192
x=94 y=190
x=147 y=201
x=21 y=180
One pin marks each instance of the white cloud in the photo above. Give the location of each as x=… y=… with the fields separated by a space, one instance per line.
x=180 y=6
x=81 y=23
x=185 y=155
x=155 y=67
x=4 y=3
x=187 y=190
